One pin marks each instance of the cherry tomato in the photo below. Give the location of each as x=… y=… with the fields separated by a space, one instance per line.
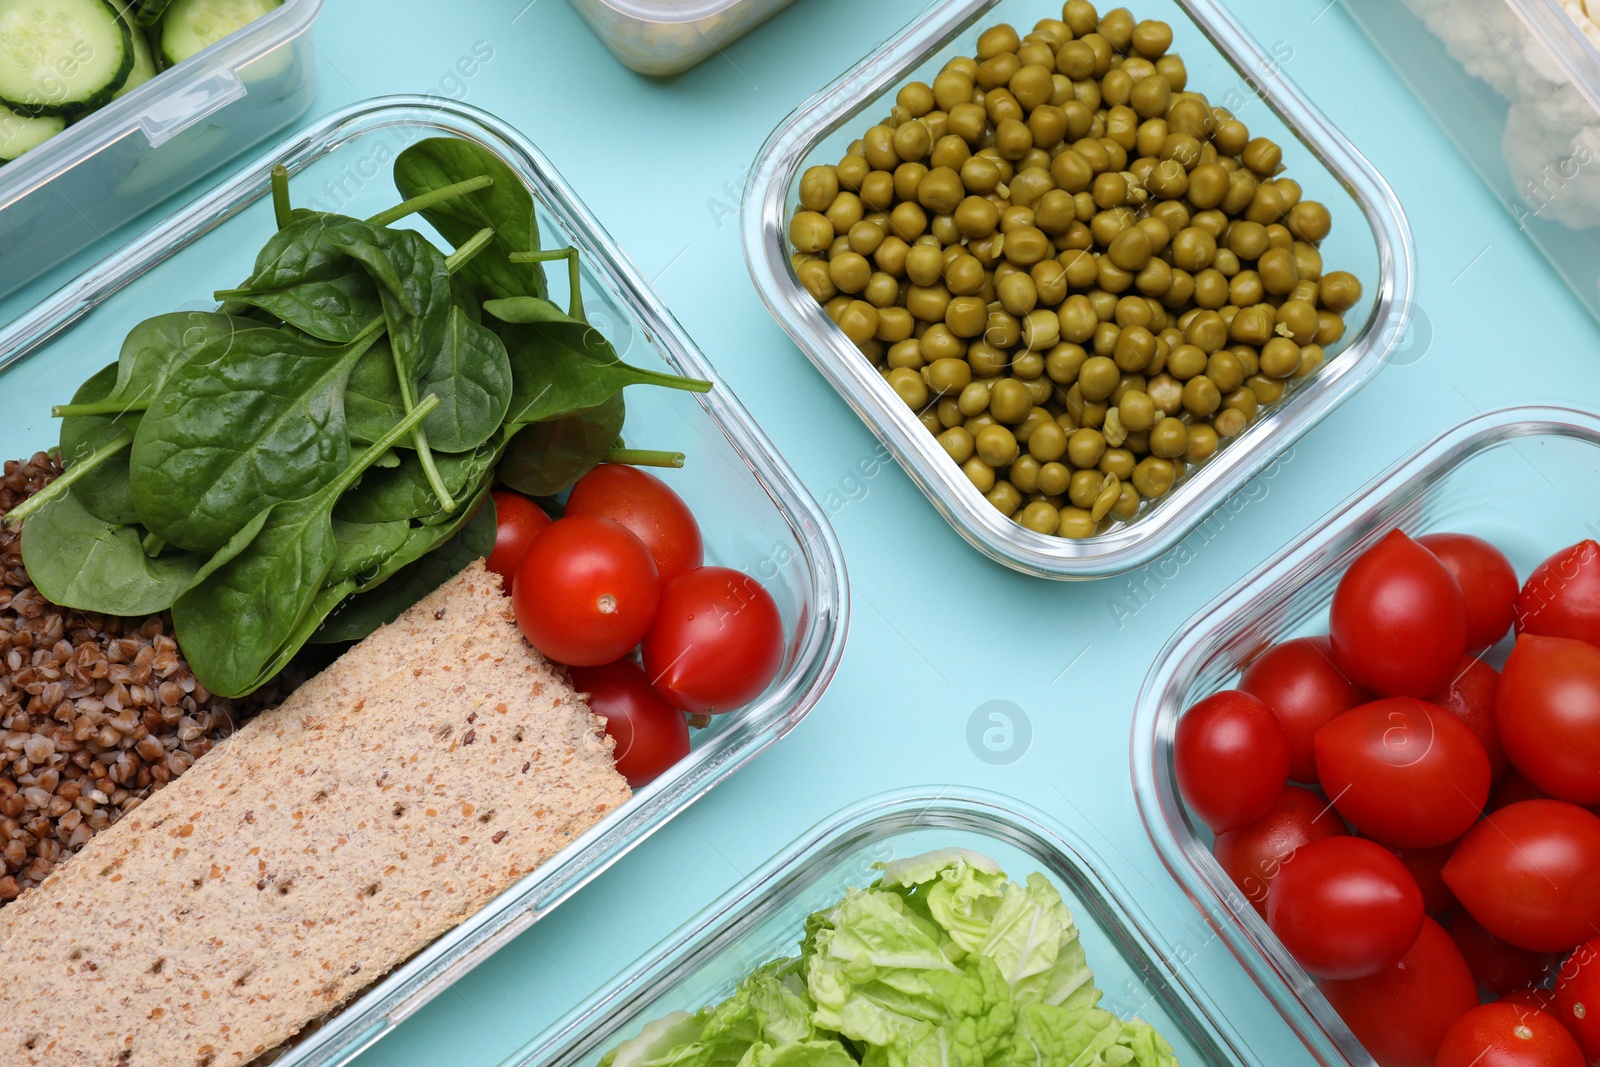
x=1548 y=713
x=1505 y=1035
x=647 y=506
x=1487 y=581
x=1232 y=759
x=585 y=591
x=1403 y=772
x=649 y=735
x=1253 y=854
x=1577 y=997
x=1535 y=998
x=1496 y=965
x=1299 y=682
x=1399 y=621
x=1402 y=1013
x=1470 y=697
x=518 y=521
x=1427 y=866
x=1530 y=873
x=716 y=643
x=1344 y=907
x=1561 y=598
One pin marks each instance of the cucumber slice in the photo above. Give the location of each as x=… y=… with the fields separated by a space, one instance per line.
x=189 y=26
x=150 y=12
x=144 y=61
x=18 y=133
x=61 y=56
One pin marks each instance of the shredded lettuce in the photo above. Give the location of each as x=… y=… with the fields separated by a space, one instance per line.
x=944 y=962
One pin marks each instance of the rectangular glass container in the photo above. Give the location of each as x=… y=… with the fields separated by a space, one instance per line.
x=1516 y=85
x=123 y=159
x=755 y=514
x=1511 y=477
x=1370 y=238
x=764 y=917
x=669 y=36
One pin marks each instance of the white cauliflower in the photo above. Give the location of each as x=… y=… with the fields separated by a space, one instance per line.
x=1552 y=136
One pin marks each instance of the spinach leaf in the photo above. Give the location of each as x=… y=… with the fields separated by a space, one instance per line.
x=235 y=619
x=465 y=299
x=404 y=491
x=549 y=457
x=471 y=376
x=372 y=400
x=104 y=492
x=507 y=206
x=246 y=423
x=561 y=365
x=79 y=561
x=441 y=560
x=309 y=283
x=364 y=546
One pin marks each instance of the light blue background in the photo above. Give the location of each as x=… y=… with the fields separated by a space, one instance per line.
x=937 y=630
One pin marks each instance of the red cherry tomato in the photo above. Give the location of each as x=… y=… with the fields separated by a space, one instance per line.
x=1470 y=697
x=1403 y=772
x=1504 y=1035
x=1496 y=965
x=1487 y=581
x=1402 y=1013
x=649 y=735
x=518 y=521
x=1577 y=997
x=1427 y=867
x=1253 y=854
x=1299 y=682
x=1232 y=759
x=1344 y=907
x=1530 y=873
x=1561 y=598
x=1535 y=998
x=647 y=506
x=585 y=592
x=716 y=642
x=1548 y=713
x=1399 y=622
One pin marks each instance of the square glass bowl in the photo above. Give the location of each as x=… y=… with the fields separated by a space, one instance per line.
x=669 y=36
x=1516 y=85
x=755 y=514
x=764 y=917
x=122 y=159
x=1510 y=477
x=1370 y=238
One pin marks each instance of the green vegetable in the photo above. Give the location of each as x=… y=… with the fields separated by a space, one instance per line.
x=245 y=603
x=471 y=376
x=60 y=57
x=506 y=205
x=404 y=492
x=305 y=279
x=548 y=458
x=80 y=561
x=943 y=963
x=246 y=423
x=105 y=492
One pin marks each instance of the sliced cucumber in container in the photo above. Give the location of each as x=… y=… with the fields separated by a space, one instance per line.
x=58 y=57
x=144 y=61
x=190 y=26
x=18 y=133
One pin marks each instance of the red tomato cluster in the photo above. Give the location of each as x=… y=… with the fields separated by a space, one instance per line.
x=621 y=570
x=1474 y=869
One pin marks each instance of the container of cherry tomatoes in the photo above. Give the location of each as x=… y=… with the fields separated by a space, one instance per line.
x=1374 y=763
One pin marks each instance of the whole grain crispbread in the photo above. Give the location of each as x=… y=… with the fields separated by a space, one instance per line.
x=328 y=841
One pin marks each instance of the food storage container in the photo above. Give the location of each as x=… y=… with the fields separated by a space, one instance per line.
x=669 y=36
x=1516 y=85
x=755 y=514
x=764 y=917
x=1370 y=238
x=1508 y=477
x=121 y=160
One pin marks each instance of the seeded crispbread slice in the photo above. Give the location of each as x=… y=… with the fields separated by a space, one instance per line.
x=328 y=841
